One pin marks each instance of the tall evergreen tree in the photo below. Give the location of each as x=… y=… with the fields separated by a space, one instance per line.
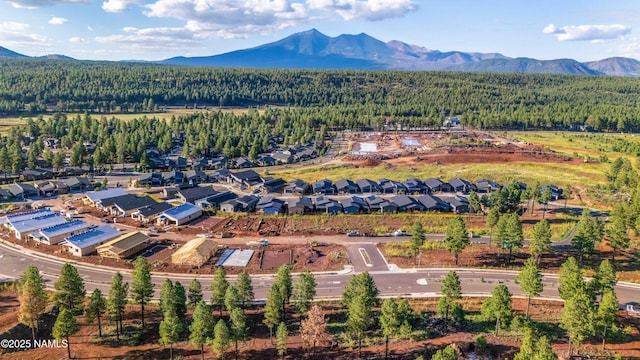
x=221 y=338
x=170 y=330
x=167 y=296
x=304 y=291
x=70 y=291
x=456 y=237
x=65 y=326
x=359 y=284
x=618 y=236
x=604 y=278
x=570 y=279
x=219 y=288
x=285 y=285
x=577 y=318
x=116 y=301
x=451 y=289
x=417 y=239
x=96 y=307
x=195 y=292
x=245 y=288
x=359 y=319
x=32 y=298
x=281 y=339
x=389 y=322
x=607 y=313
x=141 y=285
x=530 y=280
x=180 y=298
x=232 y=298
x=540 y=239
x=492 y=220
x=498 y=306
x=239 y=328
x=272 y=308
x=201 y=328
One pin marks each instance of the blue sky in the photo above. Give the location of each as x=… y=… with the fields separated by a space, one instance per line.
x=158 y=29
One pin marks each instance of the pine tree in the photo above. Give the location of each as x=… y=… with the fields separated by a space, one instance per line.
x=201 y=329
x=587 y=233
x=70 y=291
x=96 y=307
x=232 y=298
x=492 y=220
x=544 y=350
x=170 y=330
x=607 y=313
x=116 y=301
x=359 y=319
x=498 y=306
x=285 y=285
x=618 y=236
x=456 y=236
x=33 y=299
x=195 y=292
x=389 y=322
x=530 y=280
x=141 y=285
x=245 y=288
x=180 y=300
x=239 y=328
x=451 y=289
x=417 y=239
x=605 y=277
x=221 y=338
x=359 y=284
x=448 y=353
x=65 y=326
x=272 y=308
x=305 y=291
x=219 y=288
x=281 y=339
x=167 y=296
x=313 y=328
x=540 y=239
x=515 y=236
x=570 y=279
x=474 y=203
x=577 y=317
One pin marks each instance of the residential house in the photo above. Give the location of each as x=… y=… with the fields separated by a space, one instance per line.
x=282 y=157
x=78 y=184
x=86 y=243
x=23 y=190
x=391 y=187
x=433 y=203
x=296 y=186
x=55 y=234
x=407 y=203
x=36 y=174
x=327 y=205
x=180 y=215
x=246 y=203
x=378 y=204
x=272 y=185
x=148 y=214
x=461 y=185
x=195 y=194
x=300 y=205
x=459 y=204
x=246 y=178
x=368 y=186
x=242 y=162
x=323 y=187
x=125 y=205
x=266 y=160
x=270 y=205
x=556 y=192
x=436 y=185
x=487 y=186
x=124 y=246
x=346 y=186
x=214 y=201
x=415 y=186
x=46 y=188
x=354 y=205
x=194 y=177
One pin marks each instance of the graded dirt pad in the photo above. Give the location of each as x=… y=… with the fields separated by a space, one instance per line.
x=8 y=309
x=273 y=259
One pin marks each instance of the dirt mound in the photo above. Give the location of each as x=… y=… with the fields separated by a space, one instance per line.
x=308 y=256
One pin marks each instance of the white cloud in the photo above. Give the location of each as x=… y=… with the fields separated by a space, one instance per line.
x=151 y=38
x=89 y=28
x=14 y=34
x=34 y=4
x=57 y=21
x=370 y=10
x=77 y=40
x=593 y=33
x=118 y=5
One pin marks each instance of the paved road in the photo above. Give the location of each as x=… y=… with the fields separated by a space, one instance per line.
x=418 y=283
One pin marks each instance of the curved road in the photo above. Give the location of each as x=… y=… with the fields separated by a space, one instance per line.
x=390 y=282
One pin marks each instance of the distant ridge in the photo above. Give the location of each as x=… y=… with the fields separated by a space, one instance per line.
x=8 y=54
x=312 y=49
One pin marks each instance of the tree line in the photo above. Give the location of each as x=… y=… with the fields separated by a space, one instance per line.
x=353 y=98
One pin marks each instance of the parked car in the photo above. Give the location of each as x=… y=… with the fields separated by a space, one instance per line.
x=353 y=233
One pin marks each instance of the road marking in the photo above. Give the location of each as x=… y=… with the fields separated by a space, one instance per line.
x=365 y=257
x=336 y=282
x=422 y=281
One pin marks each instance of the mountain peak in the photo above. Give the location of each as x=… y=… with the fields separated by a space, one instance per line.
x=6 y=53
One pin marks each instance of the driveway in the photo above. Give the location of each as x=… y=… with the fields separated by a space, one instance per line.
x=366 y=257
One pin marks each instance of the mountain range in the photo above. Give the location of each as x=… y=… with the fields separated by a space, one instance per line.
x=314 y=50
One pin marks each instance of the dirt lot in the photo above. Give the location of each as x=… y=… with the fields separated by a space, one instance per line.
x=87 y=345
x=460 y=147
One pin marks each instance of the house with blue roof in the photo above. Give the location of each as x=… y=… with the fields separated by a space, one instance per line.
x=180 y=215
x=54 y=234
x=22 y=229
x=85 y=243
